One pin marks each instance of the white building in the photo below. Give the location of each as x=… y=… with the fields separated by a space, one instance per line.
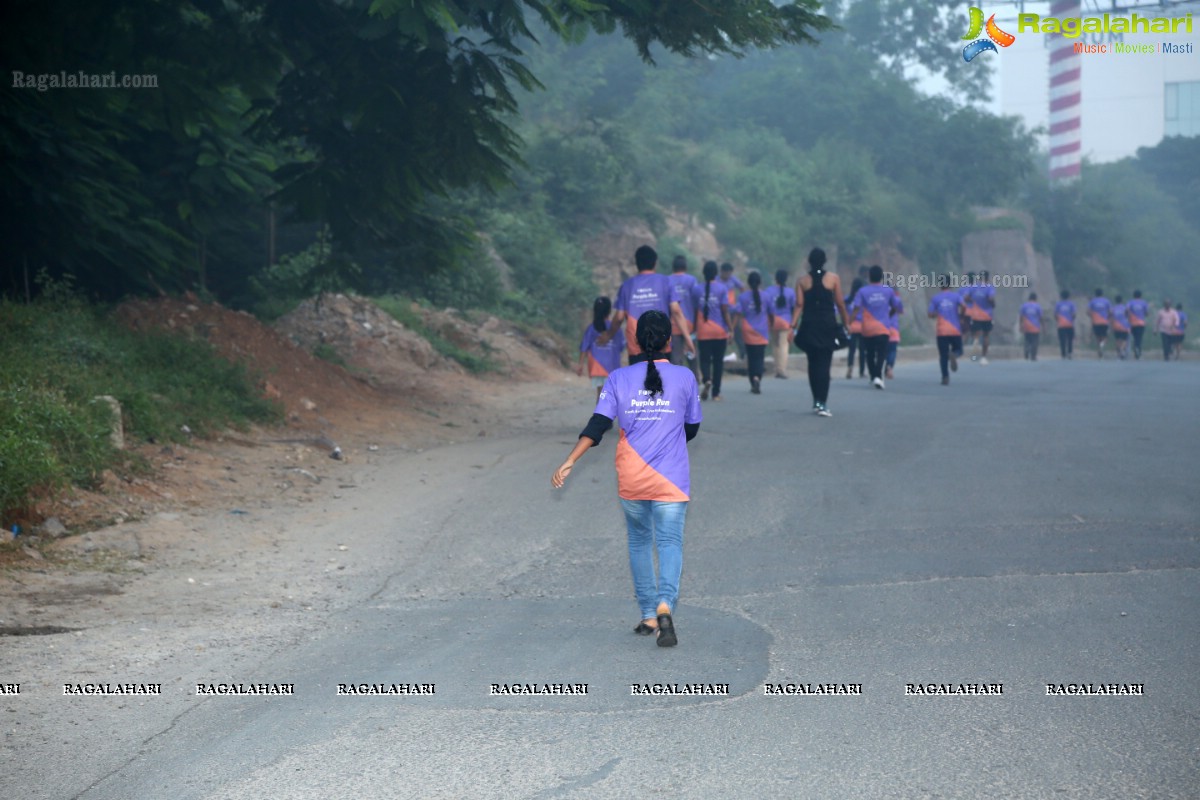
x=1130 y=98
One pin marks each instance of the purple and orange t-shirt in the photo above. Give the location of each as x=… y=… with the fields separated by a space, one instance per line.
x=878 y=304
x=681 y=292
x=983 y=300
x=718 y=298
x=646 y=291
x=733 y=285
x=652 y=456
x=946 y=305
x=1139 y=310
x=1120 y=318
x=1031 y=317
x=756 y=325
x=602 y=358
x=1100 y=309
x=1064 y=313
x=855 y=325
x=783 y=314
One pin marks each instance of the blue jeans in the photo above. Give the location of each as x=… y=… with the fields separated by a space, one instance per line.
x=651 y=523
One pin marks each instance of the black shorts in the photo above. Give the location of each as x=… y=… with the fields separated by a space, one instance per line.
x=1121 y=335
x=1101 y=331
x=981 y=326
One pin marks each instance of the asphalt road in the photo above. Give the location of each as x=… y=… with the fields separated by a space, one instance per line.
x=1030 y=524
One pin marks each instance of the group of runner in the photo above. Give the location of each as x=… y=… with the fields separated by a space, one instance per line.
x=655 y=400
x=1125 y=320
x=716 y=309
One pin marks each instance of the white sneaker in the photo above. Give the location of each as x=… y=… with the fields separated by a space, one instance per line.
x=877 y=383
x=822 y=411
x=983 y=361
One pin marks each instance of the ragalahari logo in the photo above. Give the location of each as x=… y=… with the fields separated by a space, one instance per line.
x=995 y=35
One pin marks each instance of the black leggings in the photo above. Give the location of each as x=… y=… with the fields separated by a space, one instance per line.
x=712 y=362
x=856 y=344
x=1031 y=345
x=820 y=362
x=1137 y=331
x=947 y=345
x=755 y=356
x=876 y=347
x=1066 y=341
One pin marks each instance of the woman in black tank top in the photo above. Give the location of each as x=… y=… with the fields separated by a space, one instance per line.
x=820 y=293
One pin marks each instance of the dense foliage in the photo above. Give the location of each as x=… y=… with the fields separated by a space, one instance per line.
x=349 y=117
x=291 y=146
x=58 y=355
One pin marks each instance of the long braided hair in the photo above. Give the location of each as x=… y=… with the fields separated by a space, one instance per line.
x=710 y=274
x=781 y=278
x=755 y=280
x=653 y=334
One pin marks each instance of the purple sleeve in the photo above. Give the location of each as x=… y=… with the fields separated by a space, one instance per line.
x=589 y=336
x=693 y=413
x=607 y=404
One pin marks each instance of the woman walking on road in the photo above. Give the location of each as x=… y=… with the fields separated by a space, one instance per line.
x=713 y=329
x=1166 y=325
x=656 y=406
x=817 y=295
x=600 y=359
x=755 y=318
x=782 y=300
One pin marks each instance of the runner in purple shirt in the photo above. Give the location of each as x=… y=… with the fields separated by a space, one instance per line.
x=782 y=300
x=1031 y=326
x=1120 y=326
x=644 y=292
x=600 y=359
x=1064 y=317
x=1100 y=310
x=735 y=287
x=754 y=316
x=682 y=285
x=946 y=307
x=1139 y=312
x=657 y=407
x=878 y=303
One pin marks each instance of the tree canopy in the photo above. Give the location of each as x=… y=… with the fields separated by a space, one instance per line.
x=352 y=117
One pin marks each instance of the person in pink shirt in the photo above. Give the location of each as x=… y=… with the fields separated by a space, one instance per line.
x=1166 y=325
x=1181 y=328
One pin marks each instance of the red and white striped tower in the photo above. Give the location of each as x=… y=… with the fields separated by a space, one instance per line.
x=1065 y=94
